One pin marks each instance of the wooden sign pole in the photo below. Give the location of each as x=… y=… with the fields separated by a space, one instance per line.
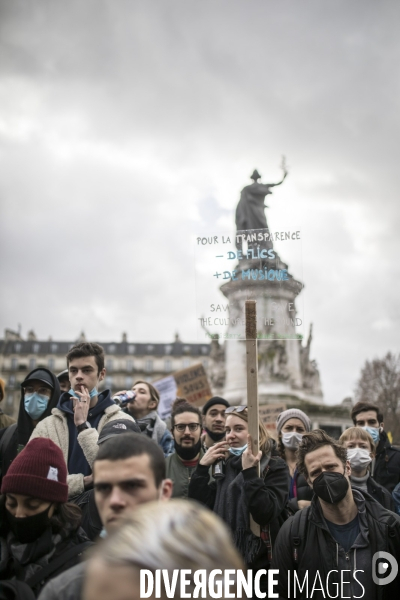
x=252 y=385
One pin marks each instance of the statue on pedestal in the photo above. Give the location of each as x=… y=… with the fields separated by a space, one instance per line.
x=250 y=212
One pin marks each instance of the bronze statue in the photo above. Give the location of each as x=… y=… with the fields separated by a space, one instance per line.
x=250 y=212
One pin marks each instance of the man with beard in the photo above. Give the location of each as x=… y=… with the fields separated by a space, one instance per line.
x=336 y=540
x=214 y=421
x=186 y=431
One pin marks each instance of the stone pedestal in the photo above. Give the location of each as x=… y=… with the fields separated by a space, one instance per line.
x=282 y=360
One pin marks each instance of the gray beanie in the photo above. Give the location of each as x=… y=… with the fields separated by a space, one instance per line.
x=292 y=413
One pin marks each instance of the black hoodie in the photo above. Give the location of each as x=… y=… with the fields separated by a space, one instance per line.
x=24 y=426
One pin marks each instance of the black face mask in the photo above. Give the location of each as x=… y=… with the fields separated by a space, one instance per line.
x=331 y=487
x=28 y=529
x=216 y=437
x=187 y=453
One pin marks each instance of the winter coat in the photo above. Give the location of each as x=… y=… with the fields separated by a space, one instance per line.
x=180 y=474
x=24 y=428
x=5 y=420
x=22 y=561
x=56 y=429
x=242 y=493
x=378 y=493
x=67 y=586
x=303 y=492
x=317 y=551
x=387 y=464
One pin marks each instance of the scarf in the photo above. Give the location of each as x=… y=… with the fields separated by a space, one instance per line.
x=153 y=426
x=231 y=505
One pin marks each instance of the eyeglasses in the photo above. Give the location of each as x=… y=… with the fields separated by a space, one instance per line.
x=237 y=409
x=181 y=427
x=43 y=391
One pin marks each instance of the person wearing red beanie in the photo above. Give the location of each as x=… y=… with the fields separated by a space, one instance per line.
x=40 y=533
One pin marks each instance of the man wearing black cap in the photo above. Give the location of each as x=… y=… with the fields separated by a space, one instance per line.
x=40 y=392
x=214 y=421
x=63 y=380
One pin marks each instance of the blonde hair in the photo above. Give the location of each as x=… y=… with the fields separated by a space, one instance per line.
x=265 y=440
x=179 y=534
x=357 y=433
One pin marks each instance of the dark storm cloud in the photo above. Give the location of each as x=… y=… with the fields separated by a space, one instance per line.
x=126 y=128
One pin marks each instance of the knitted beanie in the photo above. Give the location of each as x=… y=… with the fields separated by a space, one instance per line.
x=38 y=471
x=292 y=413
x=212 y=401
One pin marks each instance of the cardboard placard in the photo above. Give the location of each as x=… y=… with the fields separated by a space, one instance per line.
x=190 y=383
x=268 y=414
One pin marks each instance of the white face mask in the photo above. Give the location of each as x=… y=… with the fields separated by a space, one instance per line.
x=359 y=458
x=291 y=440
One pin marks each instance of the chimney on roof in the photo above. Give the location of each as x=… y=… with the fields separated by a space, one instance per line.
x=177 y=338
x=31 y=336
x=124 y=337
x=81 y=338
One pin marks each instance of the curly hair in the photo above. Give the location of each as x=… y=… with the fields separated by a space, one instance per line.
x=313 y=441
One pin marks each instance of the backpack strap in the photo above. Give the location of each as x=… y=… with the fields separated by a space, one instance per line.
x=5 y=440
x=58 y=562
x=298 y=531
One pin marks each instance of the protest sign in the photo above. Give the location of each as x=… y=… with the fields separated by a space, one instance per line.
x=191 y=384
x=268 y=414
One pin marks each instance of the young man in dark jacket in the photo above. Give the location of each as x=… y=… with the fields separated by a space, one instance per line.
x=386 y=467
x=332 y=544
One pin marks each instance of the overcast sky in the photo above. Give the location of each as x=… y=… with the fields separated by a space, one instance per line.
x=128 y=127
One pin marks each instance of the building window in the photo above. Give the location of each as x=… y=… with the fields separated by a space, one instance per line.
x=11 y=381
x=148 y=365
x=109 y=364
x=51 y=364
x=204 y=349
x=111 y=348
x=32 y=364
x=186 y=349
x=131 y=349
x=168 y=348
x=14 y=363
x=185 y=363
x=17 y=347
x=35 y=348
x=129 y=365
x=54 y=348
x=10 y=399
x=168 y=365
x=109 y=382
x=150 y=348
x=128 y=382
x=205 y=363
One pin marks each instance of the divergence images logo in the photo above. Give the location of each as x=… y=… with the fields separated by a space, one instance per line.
x=384 y=568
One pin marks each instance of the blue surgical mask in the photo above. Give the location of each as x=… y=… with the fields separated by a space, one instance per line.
x=35 y=405
x=92 y=393
x=238 y=451
x=373 y=432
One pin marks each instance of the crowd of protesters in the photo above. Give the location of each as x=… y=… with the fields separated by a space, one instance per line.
x=94 y=490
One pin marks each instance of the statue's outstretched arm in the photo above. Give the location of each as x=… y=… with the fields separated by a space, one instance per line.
x=279 y=182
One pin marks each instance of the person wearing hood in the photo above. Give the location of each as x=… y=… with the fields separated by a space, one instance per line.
x=80 y=415
x=239 y=493
x=186 y=431
x=5 y=420
x=40 y=392
x=291 y=425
